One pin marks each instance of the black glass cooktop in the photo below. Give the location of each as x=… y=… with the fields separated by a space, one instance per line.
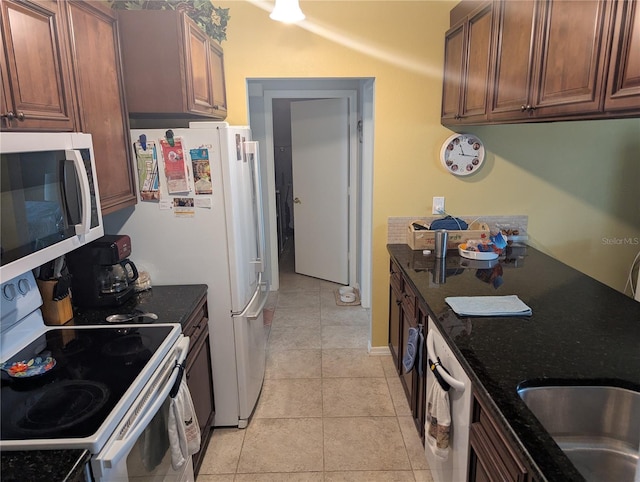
x=83 y=373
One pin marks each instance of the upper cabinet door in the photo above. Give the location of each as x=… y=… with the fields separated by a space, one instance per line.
x=623 y=87
x=514 y=62
x=101 y=99
x=477 y=62
x=466 y=68
x=573 y=48
x=36 y=78
x=454 y=42
x=199 y=92
x=217 y=79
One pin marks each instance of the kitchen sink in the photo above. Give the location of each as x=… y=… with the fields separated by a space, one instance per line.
x=597 y=427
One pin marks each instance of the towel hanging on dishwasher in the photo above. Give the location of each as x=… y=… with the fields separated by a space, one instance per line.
x=438 y=421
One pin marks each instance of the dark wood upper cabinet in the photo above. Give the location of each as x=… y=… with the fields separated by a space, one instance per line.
x=466 y=71
x=102 y=112
x=549 y=60
x=36 y=79
x=572 y=57
x=169 y=66
x=514 y=58
x=453 y=56
x=623 y=88
x=61 y=71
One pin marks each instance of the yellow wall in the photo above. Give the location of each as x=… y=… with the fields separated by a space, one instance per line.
x=579 y=182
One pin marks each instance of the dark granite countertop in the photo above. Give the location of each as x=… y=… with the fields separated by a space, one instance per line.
x=172 y=304
x=43 y=465
x=581 y=331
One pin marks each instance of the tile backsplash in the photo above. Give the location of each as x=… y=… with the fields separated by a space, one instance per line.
x=397 y=226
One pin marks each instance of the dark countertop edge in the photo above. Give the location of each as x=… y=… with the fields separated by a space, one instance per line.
x=562 y=470
x=70 y=464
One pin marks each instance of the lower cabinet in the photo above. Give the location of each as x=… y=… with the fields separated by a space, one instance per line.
x=198 y=375
x=405 y=313
x=490 y=454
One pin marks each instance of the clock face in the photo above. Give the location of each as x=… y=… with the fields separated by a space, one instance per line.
x=462 y=154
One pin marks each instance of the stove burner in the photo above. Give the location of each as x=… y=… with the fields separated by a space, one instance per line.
x=61 y=405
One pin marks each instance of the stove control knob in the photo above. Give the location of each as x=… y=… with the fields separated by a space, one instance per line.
x=9 y=291
x=23 y=286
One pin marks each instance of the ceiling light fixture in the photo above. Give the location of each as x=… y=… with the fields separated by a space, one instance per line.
x=287 y=11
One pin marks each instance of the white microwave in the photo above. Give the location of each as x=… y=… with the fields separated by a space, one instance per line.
x=49 y=199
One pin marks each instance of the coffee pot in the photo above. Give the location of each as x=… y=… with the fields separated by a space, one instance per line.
x=101 y=273
x=117 y=277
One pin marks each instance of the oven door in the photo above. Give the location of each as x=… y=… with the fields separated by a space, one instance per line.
x=139 y=448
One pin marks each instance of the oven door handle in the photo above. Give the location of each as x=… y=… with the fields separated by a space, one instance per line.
x=146 y=408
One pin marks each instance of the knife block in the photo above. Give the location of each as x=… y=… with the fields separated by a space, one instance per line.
x=54 y=312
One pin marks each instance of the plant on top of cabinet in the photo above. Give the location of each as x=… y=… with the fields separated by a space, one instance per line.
x=213 y=20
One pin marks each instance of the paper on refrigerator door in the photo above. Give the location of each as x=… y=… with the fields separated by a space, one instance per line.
x=147 y=162
x=175 y=168
x=201 y=170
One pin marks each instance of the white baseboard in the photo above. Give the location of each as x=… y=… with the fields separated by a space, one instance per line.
x=379 y=350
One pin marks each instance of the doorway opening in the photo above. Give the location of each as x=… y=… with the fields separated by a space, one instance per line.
x=270 y=103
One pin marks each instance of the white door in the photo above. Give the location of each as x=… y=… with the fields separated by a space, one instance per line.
x=320 y=153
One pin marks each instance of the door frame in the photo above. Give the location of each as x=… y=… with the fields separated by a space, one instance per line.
x=354 y=171
x=260 y=115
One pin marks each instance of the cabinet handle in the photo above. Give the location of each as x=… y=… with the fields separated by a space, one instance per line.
x=529 y=108
x=11 y=116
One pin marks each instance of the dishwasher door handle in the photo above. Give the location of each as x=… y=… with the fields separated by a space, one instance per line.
x=431 y=353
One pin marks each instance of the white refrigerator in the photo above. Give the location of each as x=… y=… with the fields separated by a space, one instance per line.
x=204 y=224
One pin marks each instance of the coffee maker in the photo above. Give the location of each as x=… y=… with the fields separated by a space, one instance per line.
x=101 y=273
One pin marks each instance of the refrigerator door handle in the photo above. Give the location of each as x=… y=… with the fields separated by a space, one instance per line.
x=259 y=298
x=251 y=147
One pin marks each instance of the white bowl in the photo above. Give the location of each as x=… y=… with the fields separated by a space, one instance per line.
x=346 y=289
x=348 y=297
x=482 y=255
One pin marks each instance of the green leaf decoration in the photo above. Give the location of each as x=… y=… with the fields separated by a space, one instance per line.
x=211 y=19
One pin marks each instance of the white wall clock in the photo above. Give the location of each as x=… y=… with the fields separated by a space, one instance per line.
x=462 y=154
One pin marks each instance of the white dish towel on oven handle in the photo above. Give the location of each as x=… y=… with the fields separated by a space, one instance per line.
x=184 y=430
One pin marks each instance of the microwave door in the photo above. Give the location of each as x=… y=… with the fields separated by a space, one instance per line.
x=77 y=194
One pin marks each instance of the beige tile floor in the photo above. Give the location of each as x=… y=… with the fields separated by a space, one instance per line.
x=328 y=410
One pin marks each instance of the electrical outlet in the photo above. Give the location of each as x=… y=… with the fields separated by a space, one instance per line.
x=438 y=205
